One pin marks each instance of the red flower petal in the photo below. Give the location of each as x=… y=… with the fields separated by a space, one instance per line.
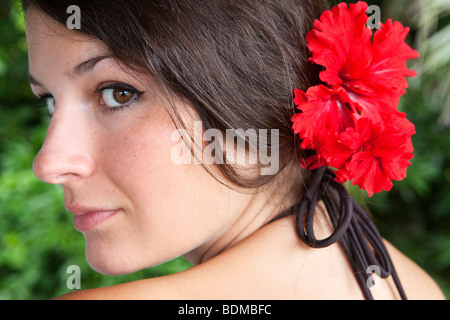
x=384 y=80
x=352 y=123
x=323 y=110
x=368 y=174
x=381 y=153
x=340 y=148
x=372 y=73
x=313 y=162
x=340 y=42
x=394 y=147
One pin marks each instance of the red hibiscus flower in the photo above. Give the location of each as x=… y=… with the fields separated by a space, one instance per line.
x=352 y=121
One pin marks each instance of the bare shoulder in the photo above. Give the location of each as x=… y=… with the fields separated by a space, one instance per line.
x=272 y=264
x=417 y=283
x=255 y=269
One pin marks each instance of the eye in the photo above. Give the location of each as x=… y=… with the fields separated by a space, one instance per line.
x=119 y=96
x=50 y=102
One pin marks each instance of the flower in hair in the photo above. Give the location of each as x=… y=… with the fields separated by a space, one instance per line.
x=351 y=121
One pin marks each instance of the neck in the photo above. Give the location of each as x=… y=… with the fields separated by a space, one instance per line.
x=258 y=212
x=251 y=212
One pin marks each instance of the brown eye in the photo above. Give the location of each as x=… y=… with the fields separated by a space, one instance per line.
x=118 y=97
x=122 y=96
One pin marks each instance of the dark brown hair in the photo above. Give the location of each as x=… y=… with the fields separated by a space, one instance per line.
x=236 y=62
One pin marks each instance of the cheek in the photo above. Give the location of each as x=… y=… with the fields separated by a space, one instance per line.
x=164 y=193
x=167 y=212
x=136 y=150
x=137 y=158
x=136 y=164
x=133 y=139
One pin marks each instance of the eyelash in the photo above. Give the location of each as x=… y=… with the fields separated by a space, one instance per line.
x=120 y=86
x=42 y=99
x=42 y=102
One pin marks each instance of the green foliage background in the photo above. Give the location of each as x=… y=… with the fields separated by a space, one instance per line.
x=37 y=239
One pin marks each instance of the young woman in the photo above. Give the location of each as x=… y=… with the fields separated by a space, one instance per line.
x=160 y=108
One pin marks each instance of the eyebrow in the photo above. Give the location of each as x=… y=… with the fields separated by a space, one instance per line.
x=88 y=65
x=79 y=70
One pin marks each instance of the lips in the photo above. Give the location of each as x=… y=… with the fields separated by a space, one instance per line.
x=89 y=219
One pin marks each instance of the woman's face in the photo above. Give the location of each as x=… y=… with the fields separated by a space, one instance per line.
x=109 y=146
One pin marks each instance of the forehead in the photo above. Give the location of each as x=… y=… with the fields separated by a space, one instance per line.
x=41 y=28
x=51 y=43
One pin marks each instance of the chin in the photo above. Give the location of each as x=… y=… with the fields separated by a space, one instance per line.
x=115 y=258
x=111 y=260
x=108 y=266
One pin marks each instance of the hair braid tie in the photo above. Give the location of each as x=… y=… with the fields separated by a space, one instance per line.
x=353 y=229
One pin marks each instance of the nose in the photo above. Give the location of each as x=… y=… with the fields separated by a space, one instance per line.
x=66 y=154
